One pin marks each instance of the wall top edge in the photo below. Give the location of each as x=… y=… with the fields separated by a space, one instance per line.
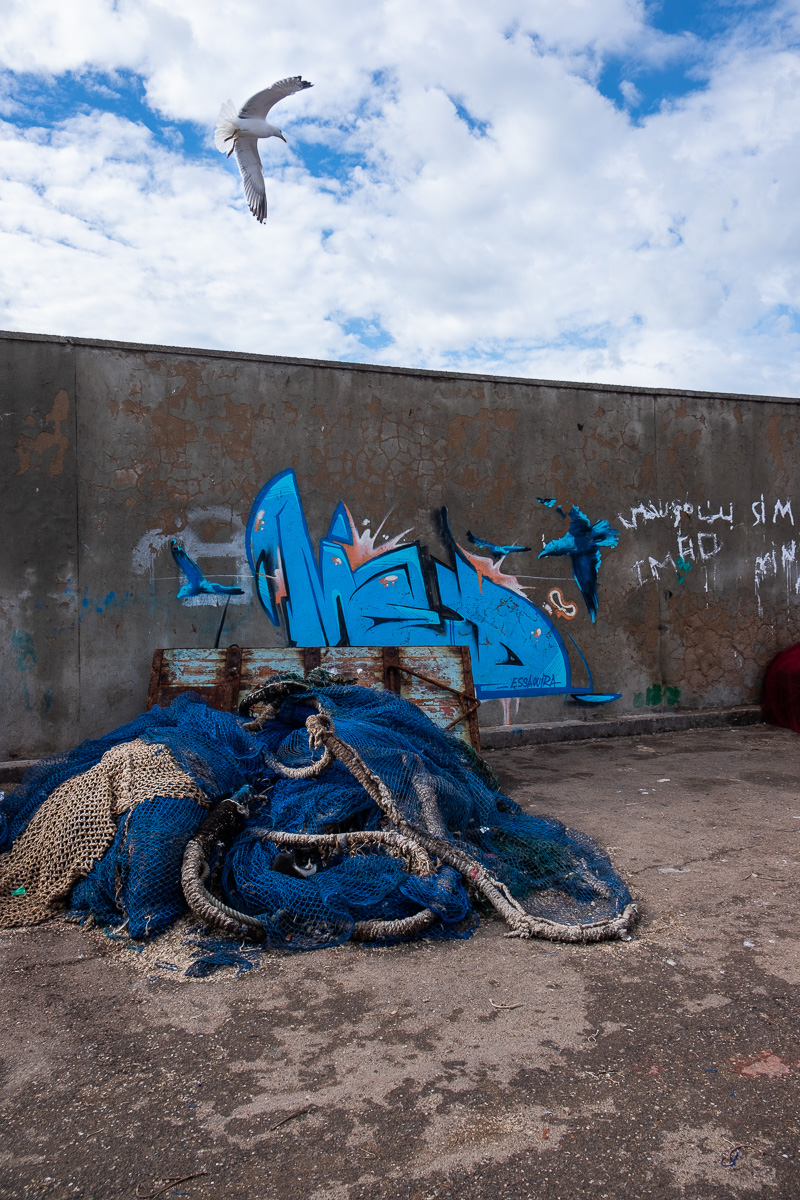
x=375 y=368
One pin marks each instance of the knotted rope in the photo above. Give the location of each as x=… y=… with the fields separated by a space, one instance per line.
x=417 y=846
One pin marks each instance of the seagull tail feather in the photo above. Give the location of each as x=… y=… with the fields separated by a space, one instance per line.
x=227 y=127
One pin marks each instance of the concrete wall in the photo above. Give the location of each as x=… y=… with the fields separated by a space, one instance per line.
x=108 y=450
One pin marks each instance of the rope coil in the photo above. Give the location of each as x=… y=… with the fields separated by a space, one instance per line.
x=421 y=848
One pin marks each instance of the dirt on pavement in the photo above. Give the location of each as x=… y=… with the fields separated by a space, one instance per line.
x=661 y=1067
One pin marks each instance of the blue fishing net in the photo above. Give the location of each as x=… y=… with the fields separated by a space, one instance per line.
x=123 y=884
x=302 y=914
x=436 y=784
x=208 y=744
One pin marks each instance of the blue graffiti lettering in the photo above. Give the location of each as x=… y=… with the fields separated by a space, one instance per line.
x=355 y=594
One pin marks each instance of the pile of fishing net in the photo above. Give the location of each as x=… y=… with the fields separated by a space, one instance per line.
x=335 y=813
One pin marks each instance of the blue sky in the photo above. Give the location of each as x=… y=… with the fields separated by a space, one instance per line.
x=599 y=189
x=699 y=27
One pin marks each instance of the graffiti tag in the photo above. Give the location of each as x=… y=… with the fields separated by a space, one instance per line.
x=356 y=593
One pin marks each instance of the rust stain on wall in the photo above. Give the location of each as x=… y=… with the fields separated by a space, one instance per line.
x=189 y=374
x=645 y=473
x=561 y=473
x=680 y=442
x=477 y=437
x=612 y=442
x=126 y=477
x=774 y=437
x=44 y=442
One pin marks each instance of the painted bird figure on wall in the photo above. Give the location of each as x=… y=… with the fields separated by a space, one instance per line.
x=582 y=544
x=494 y=550
x=238 y=134
x=196 y=582
x=551 y=502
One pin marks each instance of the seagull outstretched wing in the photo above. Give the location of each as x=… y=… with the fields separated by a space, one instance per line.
x=249 y=161
x=259 y=105
x=194 y=576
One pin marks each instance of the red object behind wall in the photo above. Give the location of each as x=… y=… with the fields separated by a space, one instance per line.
x=780 y=701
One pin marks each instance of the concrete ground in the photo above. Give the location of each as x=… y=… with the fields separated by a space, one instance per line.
x=663 y=1067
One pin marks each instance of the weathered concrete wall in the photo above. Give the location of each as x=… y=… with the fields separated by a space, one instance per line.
x=108 y=450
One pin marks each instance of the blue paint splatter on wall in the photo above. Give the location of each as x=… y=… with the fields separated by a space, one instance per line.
x=26 y=654
x=88 y=602
x=582 y=544
x=551 y=502
x=353 y=593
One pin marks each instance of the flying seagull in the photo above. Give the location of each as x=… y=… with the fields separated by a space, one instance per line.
x=582 y=544
x=238 y=133
x=196 y=582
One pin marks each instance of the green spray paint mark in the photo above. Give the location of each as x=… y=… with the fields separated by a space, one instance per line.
x=23 y=644
x=684 y=565
x=657 y=695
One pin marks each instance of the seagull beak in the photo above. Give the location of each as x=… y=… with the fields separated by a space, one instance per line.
x=280 y=135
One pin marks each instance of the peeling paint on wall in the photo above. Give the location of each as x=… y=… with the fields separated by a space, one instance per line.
x=32 y=451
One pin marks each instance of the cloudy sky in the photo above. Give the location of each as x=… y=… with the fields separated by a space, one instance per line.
x=604 y=190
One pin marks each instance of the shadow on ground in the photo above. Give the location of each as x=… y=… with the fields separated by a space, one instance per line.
x=662 y=1067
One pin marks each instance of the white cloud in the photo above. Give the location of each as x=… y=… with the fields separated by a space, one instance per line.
x=630 y=93
x=546 y=234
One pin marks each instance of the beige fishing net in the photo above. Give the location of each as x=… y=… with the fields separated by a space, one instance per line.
x=76 y=824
